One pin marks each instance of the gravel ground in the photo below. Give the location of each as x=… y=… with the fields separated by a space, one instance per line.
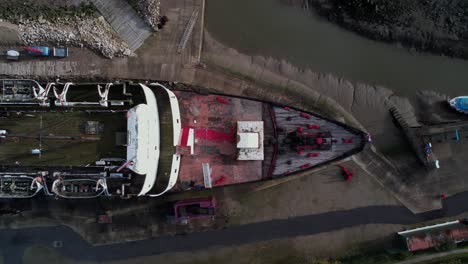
x=73 y=23
x=438 y=26
x=149 y=10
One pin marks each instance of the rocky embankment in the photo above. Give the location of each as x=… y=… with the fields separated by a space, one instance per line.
x=93 y=33
x=440 y=26
x=69 y=23
x=149 y=10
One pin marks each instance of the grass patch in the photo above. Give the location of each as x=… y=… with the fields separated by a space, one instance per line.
x=17 y=11
x=455 y=259
x=384 y=251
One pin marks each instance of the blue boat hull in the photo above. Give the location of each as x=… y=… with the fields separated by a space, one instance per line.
x=460 y=104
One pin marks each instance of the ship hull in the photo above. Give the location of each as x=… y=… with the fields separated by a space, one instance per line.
x=132 y=140
x=460 y=104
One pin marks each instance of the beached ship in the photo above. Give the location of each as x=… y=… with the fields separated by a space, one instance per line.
x=460 y=104
x=126 y=139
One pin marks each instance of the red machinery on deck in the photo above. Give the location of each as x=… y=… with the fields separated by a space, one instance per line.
x=348 y=174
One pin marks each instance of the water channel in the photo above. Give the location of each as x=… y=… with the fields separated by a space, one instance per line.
x=272 y=29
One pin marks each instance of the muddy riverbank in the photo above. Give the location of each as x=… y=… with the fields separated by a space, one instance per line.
x=440 y=27
x=270 y=28
x=362 y=105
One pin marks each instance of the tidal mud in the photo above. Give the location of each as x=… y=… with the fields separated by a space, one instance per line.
x=440 y=27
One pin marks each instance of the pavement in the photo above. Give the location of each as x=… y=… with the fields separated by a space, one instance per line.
x=14 y=242
x=415 y=198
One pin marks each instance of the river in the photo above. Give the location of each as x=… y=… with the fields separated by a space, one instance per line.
x=272 y=29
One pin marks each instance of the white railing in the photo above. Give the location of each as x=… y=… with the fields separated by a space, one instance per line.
x=153 y=140
x=173 y=177
x=176 y=121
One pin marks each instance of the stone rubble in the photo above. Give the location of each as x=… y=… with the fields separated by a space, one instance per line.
x=93 y=33
x=150 y=11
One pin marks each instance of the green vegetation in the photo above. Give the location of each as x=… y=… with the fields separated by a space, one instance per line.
x=436 y=26
x=384 y=251
x=15 y=12
x=454 y=259
x=447 y=246
x=375 y=257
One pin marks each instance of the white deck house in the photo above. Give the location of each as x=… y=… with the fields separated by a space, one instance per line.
x=143 y=136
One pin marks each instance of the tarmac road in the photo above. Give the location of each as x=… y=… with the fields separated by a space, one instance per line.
x=14 y=242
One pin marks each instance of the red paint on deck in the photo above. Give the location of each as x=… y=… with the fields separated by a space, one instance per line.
x=313 y=126
x=304 y=115
x=184 y=136
x=222 y=100
x=311 y=134
x=305 y=166
x=215 y=135
x=220 y=181
x=313 y=155
x=215 y=128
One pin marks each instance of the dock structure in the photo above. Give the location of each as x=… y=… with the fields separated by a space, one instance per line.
x=187 y=32
x=125 y=21
x=436 y=142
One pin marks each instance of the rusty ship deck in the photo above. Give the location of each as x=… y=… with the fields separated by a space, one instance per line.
x=148 y=140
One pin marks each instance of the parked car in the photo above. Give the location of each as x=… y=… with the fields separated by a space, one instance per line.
x=44 y=51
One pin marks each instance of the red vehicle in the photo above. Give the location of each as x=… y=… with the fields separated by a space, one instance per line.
x=60 y=52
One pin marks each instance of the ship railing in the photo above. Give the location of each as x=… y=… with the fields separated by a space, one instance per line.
x=173 y=176
x=151 y=160
x=176 y=123
x=177 y=128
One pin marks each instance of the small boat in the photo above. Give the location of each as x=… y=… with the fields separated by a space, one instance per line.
x=460 y=104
